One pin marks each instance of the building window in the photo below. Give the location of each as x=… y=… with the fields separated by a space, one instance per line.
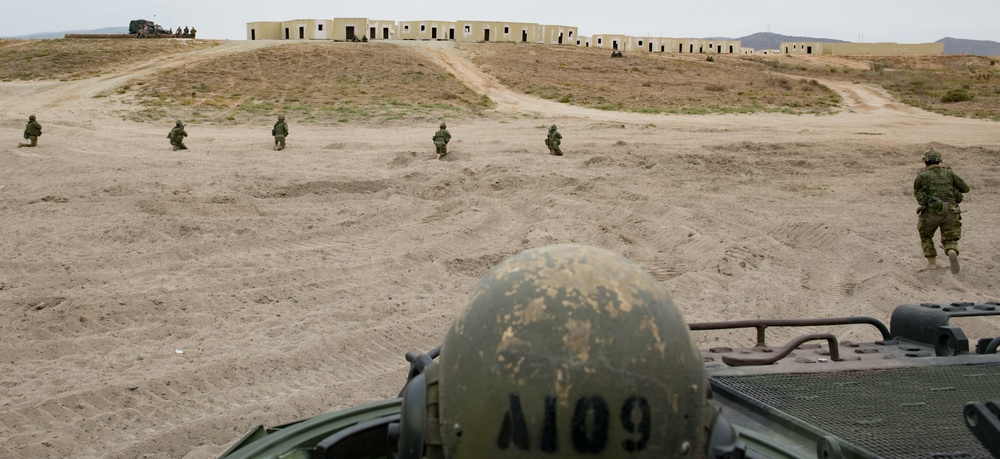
x=423 y=27
x=320 y=27
x=406 y=28
x=506 y=30
x=640 y=42
x=710 y=45
x=570 y=34
x=599 y=40
x=468 y=29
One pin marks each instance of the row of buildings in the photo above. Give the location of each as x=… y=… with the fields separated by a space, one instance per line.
x=349 y=29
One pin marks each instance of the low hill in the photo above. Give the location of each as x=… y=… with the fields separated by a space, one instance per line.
x=767 y=40
x=974 y=47
x=50 y=35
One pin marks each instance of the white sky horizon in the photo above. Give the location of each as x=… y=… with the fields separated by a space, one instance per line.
x=870 y=21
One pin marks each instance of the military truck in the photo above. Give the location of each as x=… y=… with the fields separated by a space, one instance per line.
x=920 y=389
x=142 y=28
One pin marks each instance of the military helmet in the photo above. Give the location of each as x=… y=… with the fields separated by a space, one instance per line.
x=281 y=117
x=552 y=128
x=31 y=118
x=570 y=349
x=443 y=126
x=180 y=123
x=932 y=156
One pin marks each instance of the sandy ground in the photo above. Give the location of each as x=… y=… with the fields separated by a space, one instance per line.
x=161 y=304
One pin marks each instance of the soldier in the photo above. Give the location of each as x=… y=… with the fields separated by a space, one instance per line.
x=279 y=132
x=185 y=30
x=553 y=140
x=177 y=136
x=178 y=31
x=193 y=32
x=31 y=132
x=939 y=191
x=441 y=139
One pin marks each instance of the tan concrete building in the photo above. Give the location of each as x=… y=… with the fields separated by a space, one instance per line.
x=382 y=30
x=263 y=31
x=346 y=29
x=475 y=31
x=495 y=31
x=855 y=49
x=426 y=30
x=559 y=35
x=609 y=41
x=306 y=29
x=296 y=29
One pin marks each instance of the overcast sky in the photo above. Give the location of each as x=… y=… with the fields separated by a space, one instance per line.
x=901 y=21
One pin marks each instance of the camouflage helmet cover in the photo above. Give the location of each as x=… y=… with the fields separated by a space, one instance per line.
x=932 y=156
x=31 y=118
x=572 y=350
x=552 y=128
x=281 y=117
x=180 y=123
x=443 y=126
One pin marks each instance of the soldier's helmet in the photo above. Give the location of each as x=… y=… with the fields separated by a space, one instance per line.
x=31 y=118
x=180 y=123
x=281 y=117
x=443 y=126
x=932 y=156
x=552 y=128
x=566 y=350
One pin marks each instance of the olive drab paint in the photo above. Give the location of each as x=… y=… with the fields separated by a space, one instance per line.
x=572 y=351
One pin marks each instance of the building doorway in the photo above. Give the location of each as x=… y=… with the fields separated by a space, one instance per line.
x=302 y=32
x=349 y=33
x=486 y=35
x=434 y=32
x=524 y=36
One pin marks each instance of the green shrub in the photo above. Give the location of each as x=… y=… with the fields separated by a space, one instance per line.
x=957 y=95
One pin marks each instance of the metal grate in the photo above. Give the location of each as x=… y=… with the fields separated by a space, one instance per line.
x=911 y=412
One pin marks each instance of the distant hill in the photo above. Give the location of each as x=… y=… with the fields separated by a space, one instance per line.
x=767 y=40
x=47 y=35
x=976 y=47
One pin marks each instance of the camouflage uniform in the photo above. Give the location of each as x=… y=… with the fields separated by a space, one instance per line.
x=31 y=132
x=553 y=140
x=441 y=139
x=177 y=136
x=279 y=132
x=938 y=190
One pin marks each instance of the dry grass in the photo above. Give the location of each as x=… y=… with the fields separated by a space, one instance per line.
x=649 y=83
x=314 y=82
x=920 y=81
x=327 y=82
x=78 y=59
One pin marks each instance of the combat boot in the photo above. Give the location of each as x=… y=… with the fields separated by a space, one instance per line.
x=931 y=264
x=953 y=259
